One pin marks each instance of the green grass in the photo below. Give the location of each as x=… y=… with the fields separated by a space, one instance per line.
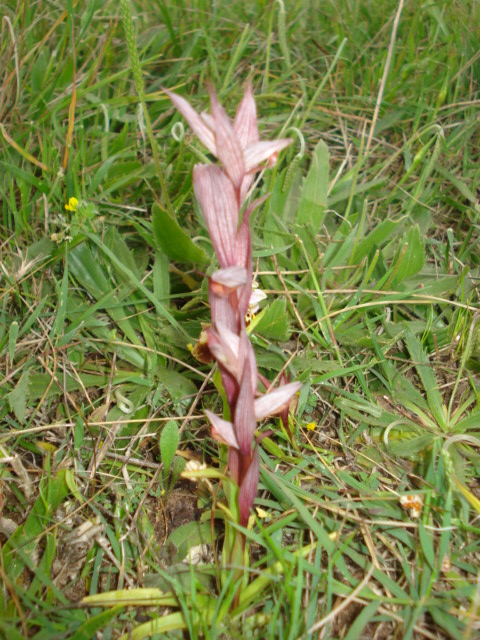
x=368 y=249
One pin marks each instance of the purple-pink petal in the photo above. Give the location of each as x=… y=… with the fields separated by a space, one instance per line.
x=273 y=402
x=199 y=127
x=245 y=123
x=222 y=430
x=229 y=149
x=230 y=277
x=256 y=153
x=216 y=196
x=222 y=311
x=223 y=345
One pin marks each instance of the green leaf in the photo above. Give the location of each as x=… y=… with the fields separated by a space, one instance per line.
x=12 y=340
x=161 y=277
x=411 y=447
x=426 y=543
x=26 y=537
x=173 y=241
x=169 y=439
x=139 y=597
x=177 y=385
x=448 y=621
x=17 y=398
x=412 y=257
x=427 y=376
x=459 y=184
x=313 y=200
x=160 y=625
x=189 y=535
x=177 y=467
x=116 y=243
x=361 y=621
x=375 y=239
x=89 y=628
x=273 y=322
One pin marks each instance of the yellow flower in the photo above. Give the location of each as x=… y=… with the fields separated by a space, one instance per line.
x=311 y=426
x=262 y=513
x=72 y=204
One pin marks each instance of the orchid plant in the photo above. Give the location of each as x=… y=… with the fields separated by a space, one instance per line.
x=222 y=195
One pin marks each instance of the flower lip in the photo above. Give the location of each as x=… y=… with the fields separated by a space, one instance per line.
x=256 y=297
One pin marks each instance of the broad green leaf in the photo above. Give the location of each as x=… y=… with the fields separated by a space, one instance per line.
x=313 y=199
x=426 y=543
x=412 y=257
x=339 y=251
x=116 y=243
x=18 y=397
x=427 y=376
x=178 y=385
x=173 y=240
x=161 y=277
x=375 y=239
x=410 y=447
x=169 y=439
x=87 y=269
x=189 y=535
x=177 y=468
x=273 y=321
x=131 y=598
x=153 y=629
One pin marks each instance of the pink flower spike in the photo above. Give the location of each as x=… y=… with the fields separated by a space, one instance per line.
x=216 y=196
x=263 y=151
x=245 y=123
x=199 y=127
x=229 y=150
x=273 y=402
x=222 y=430
x=248 y=488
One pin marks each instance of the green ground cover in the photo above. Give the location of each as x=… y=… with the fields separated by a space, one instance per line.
x=367 y=248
